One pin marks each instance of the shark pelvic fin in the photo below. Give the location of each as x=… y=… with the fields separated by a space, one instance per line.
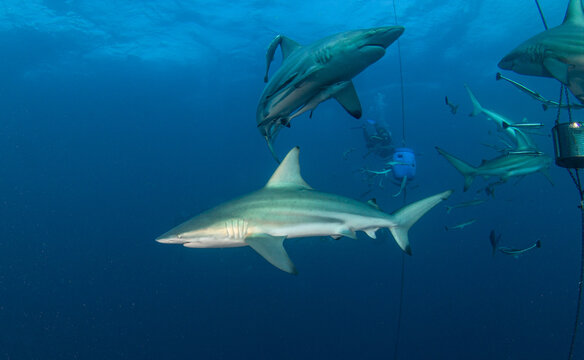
x=288 y=173
x=409 y=214
x=558 y=69
x=272 y=249
x=347 y=97
x=348 y=233
x=574 y=13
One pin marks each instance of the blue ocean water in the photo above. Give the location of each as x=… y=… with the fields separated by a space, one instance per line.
x=120 y=120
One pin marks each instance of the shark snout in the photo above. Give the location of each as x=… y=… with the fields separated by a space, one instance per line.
x=384 y=36
x=506 y=63
x=169 y=239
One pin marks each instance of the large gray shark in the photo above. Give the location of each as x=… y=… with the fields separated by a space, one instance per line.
x=317 y=72
x=557 y=52
x=521 y=139
x=287 y=207
x=503 y=166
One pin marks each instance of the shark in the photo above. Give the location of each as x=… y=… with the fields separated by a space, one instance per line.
x=545 y=103
x=521 y=139
x=317 y=72
x=557 y=52
x=287 y=208
x=460 y=226
x=504 y=166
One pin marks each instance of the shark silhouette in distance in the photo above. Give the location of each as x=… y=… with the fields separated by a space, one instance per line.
x=521 y=139
x=317 y=72
x=287 y=207
x=504 y=166
x=557 y=52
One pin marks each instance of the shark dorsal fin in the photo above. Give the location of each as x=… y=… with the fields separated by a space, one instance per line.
x=574 y=14
x=288 y=173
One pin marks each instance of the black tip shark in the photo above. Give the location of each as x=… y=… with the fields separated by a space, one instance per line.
x=287 y=207
x=317 y=72
x=557 y=52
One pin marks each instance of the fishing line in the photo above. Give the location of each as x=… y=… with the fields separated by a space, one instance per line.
x=401 y=80
x=541 y=14
x=403 y=257
x=575 y=175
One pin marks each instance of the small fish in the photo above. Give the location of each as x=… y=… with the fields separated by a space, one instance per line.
x=517 y=252
x=525 y=152
x=494 y=239
x=544 y=102
x=453 y=107
x=347 y=152
x=460 y=226
x=523 y=125
x=464 y=204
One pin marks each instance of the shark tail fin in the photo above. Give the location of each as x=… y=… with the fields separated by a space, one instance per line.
x=409 y=214
x=467 y=170
x=538 y=244
x=476 y=106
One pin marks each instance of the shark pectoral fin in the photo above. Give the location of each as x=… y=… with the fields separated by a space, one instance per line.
x=272 y=249
x=558 y=69
x=347 y=97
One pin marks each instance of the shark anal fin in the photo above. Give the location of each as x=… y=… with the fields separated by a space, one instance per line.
x=349 y=100
x=272 y=249
x=371 y=233
x=558 y=69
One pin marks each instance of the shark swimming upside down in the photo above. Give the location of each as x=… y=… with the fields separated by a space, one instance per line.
x=314 y=73
x=287 y=207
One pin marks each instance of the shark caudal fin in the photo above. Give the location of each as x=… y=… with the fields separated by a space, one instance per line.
x=467 y=170
x=476 y=106
x=409 y=214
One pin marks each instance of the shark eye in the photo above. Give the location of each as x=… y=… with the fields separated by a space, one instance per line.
x=179 y=236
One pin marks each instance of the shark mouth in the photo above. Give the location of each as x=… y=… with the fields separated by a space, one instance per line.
x=373 y=45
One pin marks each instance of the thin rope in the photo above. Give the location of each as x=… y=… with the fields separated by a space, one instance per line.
x=575 y=175
x=401 y=302
x=401 y=80
x=568 y=103
x=403 y=262
x=578 y=184
x=541 y=14
x=559 y=105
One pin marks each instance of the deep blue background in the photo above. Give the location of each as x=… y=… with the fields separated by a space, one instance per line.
x=108 y=141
